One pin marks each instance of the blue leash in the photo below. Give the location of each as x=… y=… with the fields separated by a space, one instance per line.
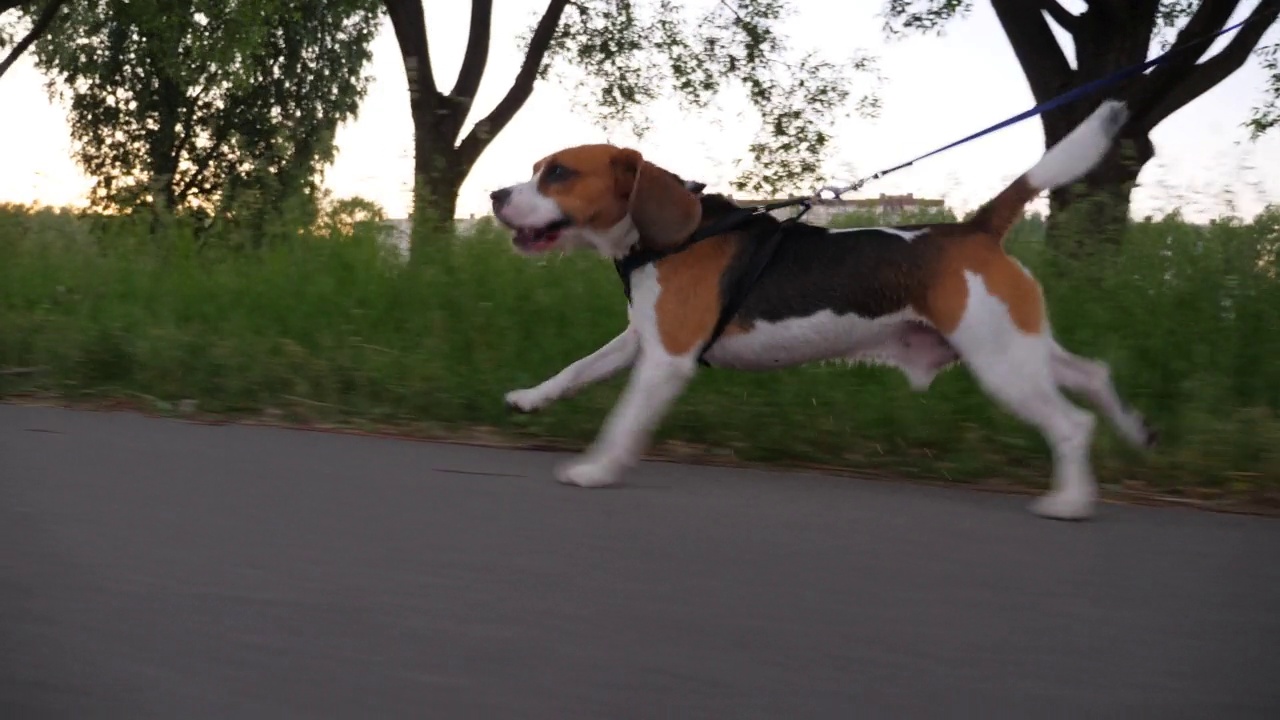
x=1063 y=99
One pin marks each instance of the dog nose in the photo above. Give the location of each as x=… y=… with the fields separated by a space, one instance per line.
x=500 y=196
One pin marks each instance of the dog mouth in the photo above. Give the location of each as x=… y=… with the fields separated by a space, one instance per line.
x=539 y=239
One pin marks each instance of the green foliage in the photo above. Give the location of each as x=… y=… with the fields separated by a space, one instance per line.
x=15 y=20
x=333 y=326
x=1266 y=114
x=871 y=218
x=209 y=105
x=922 y=16
x=355 y=216
x=626 y=54
x=10 y=26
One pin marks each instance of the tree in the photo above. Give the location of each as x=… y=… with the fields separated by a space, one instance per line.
x=207 y=106
x=1110 y=35
x=349 y=215
x=629 y=53
x=41 y=17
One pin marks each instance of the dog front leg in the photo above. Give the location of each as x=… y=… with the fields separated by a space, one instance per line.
x=602 y=364
x=658 y=379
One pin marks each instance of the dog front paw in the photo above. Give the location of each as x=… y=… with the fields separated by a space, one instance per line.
x=588 y=473
x=1065 y=505
x=526 y=401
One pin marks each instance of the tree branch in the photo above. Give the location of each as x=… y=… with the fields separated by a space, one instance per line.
x=1210 y=17
x=411 y=35
x=1201 y=78
x=1069 y=22
x=477 y=55
x=1037 y=50
x=41 y=26
x=1126 y=12
x=484 y=131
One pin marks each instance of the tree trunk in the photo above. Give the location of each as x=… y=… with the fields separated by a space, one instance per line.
x=436 y=200
x=1095 y=211
x=163 y=147
x=437 y=181
x=440 y=166
x=438 y=173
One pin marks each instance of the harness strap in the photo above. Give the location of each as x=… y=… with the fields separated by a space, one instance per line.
x=761 y=254
x=742 y=285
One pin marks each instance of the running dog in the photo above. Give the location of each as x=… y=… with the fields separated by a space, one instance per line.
x=918 y=298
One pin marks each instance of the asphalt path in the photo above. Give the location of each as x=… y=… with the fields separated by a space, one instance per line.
x=154 y=568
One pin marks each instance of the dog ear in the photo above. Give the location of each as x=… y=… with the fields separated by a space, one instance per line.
x=661 y=207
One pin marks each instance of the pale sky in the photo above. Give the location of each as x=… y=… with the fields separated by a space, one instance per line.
x=937 y=90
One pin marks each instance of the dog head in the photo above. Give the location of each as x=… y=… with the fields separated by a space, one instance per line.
x=601 y=197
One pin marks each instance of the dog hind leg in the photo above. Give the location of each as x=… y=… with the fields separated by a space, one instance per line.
x=1015 y=369
x=1092 y=379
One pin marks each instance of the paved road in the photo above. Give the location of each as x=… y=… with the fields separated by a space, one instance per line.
x=158 y=569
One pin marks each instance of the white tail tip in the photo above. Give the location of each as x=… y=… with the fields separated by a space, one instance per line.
x=1082 y=148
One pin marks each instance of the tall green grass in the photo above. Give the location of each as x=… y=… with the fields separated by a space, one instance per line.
x=334 y=326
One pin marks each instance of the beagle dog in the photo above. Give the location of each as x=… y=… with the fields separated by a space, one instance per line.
x=917 y=298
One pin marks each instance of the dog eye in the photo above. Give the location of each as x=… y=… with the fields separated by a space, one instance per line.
x=556 y=173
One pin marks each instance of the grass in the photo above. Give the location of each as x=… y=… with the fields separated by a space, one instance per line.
x=332 y=327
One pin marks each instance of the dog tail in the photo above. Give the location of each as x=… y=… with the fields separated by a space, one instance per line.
x=1064 y=163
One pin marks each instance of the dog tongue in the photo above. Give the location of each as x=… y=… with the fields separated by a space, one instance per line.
x=536 y=239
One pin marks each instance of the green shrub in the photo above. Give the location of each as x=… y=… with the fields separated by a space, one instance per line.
x=335 y=325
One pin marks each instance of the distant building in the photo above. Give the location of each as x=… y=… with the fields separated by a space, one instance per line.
x=888 y=206
x=398 y=237
x=467 y=223
x=896 y=204
x=400 y=228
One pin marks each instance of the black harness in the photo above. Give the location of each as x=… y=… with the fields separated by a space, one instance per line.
x=761 y=254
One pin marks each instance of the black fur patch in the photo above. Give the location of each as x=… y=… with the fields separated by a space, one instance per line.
x=869 y=272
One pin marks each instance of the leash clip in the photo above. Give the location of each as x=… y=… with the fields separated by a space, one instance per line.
x=836 y=193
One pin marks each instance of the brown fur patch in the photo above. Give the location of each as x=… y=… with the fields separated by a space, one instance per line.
x=1009 y=282
x=948 y=293
x=1000 y=213
x=689 y=298
x=589 y=194
x=663 y=210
